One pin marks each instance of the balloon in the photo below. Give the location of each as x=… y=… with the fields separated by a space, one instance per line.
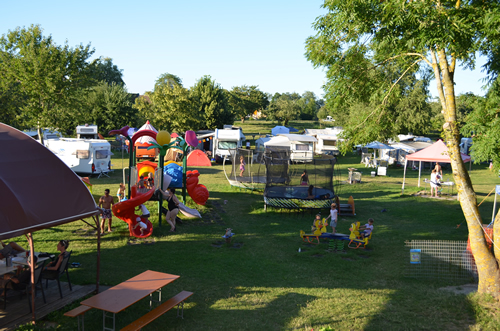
x=191 y=139
x=163 y=138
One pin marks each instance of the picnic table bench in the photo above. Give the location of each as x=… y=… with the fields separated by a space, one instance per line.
x=177 y=300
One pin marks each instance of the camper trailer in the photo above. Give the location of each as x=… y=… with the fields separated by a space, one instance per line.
x=86 y=156
x=300 y=146
x=47 y=134
x=327 y=140
x=225 y=139
x=87 y=132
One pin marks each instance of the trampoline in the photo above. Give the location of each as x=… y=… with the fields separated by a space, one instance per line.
x=253 y=178
x=283 y=179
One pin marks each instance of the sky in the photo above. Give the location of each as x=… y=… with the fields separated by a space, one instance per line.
x=259 y=42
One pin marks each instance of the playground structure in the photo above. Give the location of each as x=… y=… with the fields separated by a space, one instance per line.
x=162 y=141
x=346 y=209
x=253 y=178
x=283 y=181
x=354 y=238
x=125 y=210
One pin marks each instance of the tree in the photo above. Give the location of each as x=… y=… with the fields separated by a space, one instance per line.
x=245 y=100
x=170 y=106
x=109 y=106
x=212 y=103
x=45 y=76
x=483 y=124
x=284 y=107
x=309 y=106
x=104 y=70
x=168 y=80
x=357 y=37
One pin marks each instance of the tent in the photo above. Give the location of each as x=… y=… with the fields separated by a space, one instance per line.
x=198 y=159
x=25 y=165
x=437 y=152
x=279 y=129
x=146 y=139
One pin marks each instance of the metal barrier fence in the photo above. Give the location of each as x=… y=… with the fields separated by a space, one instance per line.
x=440 y=259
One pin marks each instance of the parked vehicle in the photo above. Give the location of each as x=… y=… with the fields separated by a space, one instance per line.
x=327 y=140
x=47 y=134
x=86 y=156
x=300 y=146
x=225 y=139
x=87 y=132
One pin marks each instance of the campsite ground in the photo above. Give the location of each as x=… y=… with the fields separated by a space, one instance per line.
x=262 y=282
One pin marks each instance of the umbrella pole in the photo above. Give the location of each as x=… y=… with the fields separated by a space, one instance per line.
x=404 y=176
x=98 y=271
x=419 y=171
x=29 y=236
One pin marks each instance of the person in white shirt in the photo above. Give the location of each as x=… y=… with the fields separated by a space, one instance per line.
x=333 y=217
x=367 y=228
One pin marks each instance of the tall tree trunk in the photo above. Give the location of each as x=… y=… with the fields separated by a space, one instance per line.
x=487 y=266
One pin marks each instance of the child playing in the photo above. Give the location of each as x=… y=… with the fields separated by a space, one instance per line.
x=121 y=192
x=140 y=223
x=333 y=217
x=368 y=228
x=318 y=218
x=242 y=165
x=145 y=214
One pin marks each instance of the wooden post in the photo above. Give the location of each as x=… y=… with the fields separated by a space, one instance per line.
x=98 y=269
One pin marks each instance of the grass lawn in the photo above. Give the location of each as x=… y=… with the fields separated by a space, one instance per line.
x=266 y=284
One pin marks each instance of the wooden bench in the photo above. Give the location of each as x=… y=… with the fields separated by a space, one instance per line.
x=77 y=312
x=160 y=310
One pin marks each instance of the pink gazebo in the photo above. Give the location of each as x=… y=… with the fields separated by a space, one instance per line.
x=437 y=152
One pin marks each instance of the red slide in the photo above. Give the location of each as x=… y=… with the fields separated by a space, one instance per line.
x=125 y=211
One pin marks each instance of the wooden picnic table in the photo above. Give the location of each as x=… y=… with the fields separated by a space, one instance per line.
x=123 y=295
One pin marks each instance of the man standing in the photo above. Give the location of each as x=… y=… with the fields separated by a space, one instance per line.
x=105 y=203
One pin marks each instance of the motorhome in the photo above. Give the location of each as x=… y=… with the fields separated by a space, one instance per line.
x=86 y=156
x=225 y=139
x=87 y=132
x=47 y=134
x=327 y=140
x=300 y=146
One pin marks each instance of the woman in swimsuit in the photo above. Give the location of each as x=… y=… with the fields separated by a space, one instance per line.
x=173 y=207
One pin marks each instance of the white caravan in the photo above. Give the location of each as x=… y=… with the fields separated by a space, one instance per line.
x=86 y=156
x=300 y=146
x=87 y=132
x=327 y=140
x=225 y=139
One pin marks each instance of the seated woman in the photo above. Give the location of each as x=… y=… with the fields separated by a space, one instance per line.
x=53 y=267
x=10 y=249
x=310 y=194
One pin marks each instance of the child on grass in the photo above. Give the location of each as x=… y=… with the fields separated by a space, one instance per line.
x=333 y=217
x=242 y=165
